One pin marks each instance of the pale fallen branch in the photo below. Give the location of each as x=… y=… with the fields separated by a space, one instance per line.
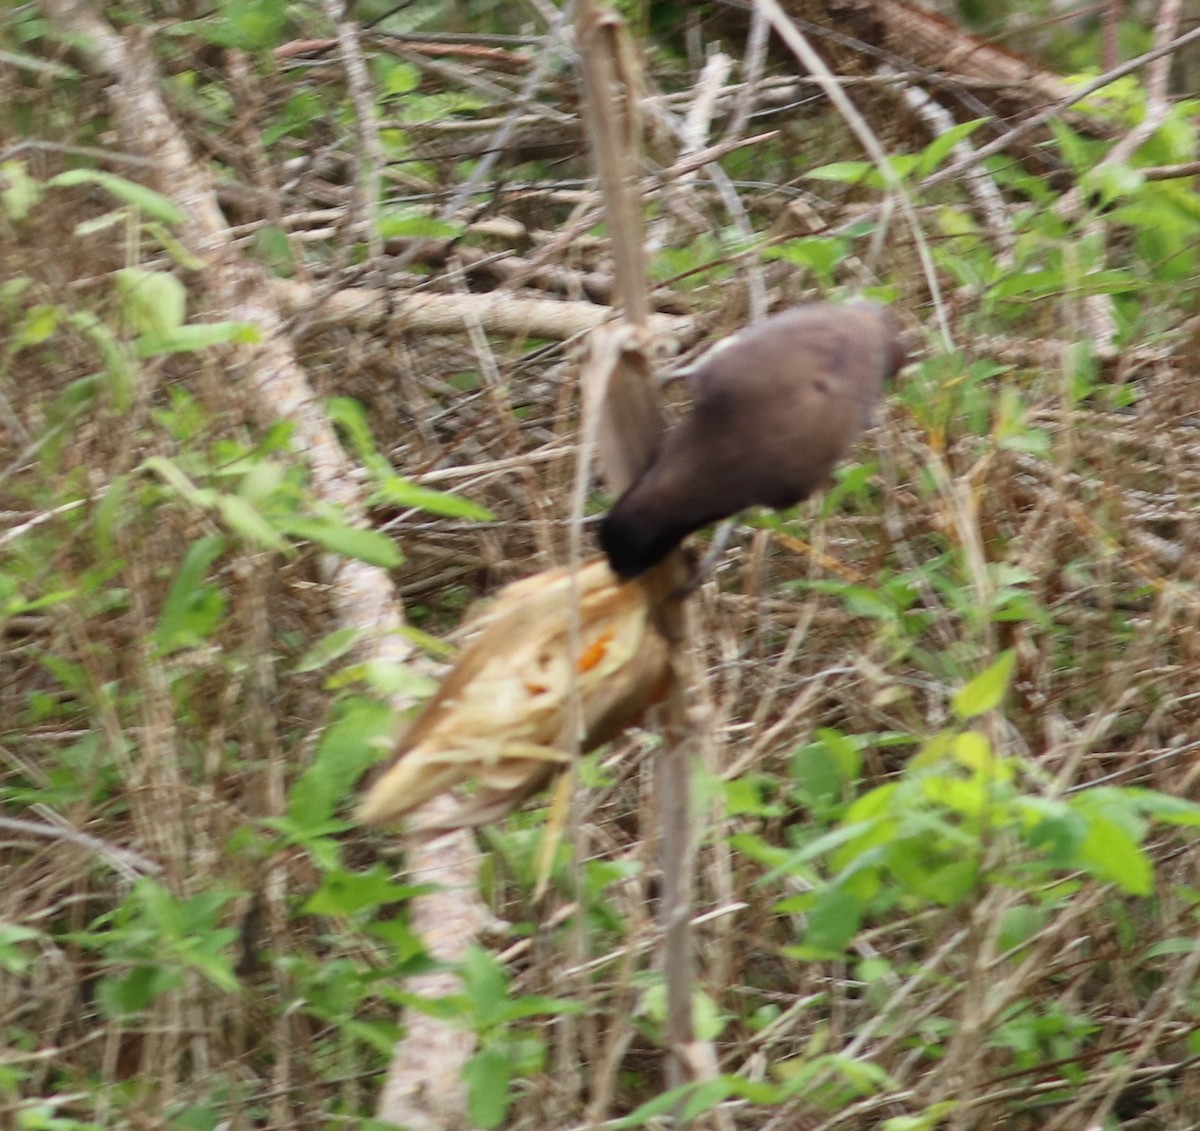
x=239 y=288
x=425 y=1090
x=364 y=308
x=124 y=860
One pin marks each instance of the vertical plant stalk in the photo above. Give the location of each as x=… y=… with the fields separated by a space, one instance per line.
x=1110 y=39
x=364 y=215
x=629 y=434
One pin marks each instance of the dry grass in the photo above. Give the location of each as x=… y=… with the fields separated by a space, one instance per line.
x=174 y=760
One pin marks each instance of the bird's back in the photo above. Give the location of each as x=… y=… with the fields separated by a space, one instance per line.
x=774 y=409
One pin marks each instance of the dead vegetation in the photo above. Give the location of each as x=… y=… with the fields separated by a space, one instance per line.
x=1030 y=486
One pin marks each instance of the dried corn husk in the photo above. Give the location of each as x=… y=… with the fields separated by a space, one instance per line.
x=500 y=717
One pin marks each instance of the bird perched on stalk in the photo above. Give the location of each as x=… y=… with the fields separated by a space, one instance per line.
x=774 y=408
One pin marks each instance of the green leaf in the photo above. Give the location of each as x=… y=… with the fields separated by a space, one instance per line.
x=402 y=493
x=1109 y=853
x=1075 y=151
x=368 y=546
x=901 y=165
x=930 y=1119
x=134 y=991
x=955 y=222
x=35 y=327
x=453 y=1007
x=272 y=247
x=20 y=191
x=861 y=601
x=534 y=1005
x=13 y=958
x=343 y=892
x=1164 y=807
x=944 y=883
x=378 y=1035
x=1019 y=924
x=1115 y=804
x=707 y=1019
x=755 y=848
x=349 y=415
x=216 y=968
x=845 y=172
x=1054 y=828
x=11 y=293
x=832 y=922
x=359 y=737
x=196 y=336
x=153 y=301
x=873 y=804
x=118 y=365
x=692 y=1100
x=844 y=752
x=1173 y=946
x=400 y=78
x=820 y=253
x=261 y=481
x=986 y=690
x=101 y=223
x=244 y=520
x=744 y=797
x=939 y=149
x=389 y=679
x=973 y=750
x=705 y=1096
x=897 y=167
x=485 y=983
x=192 y=609
x=1041 y=281
x=328 y=649
x=205 y=1118
x=660 y=1105
x=174 y=478
x=246 y=25
x=1110 y=182
x=785 y=861
x=822 y=768
x=147 y=200
x=397 y=225
x=173 y=247
x=968 y=797
x=487 y=1078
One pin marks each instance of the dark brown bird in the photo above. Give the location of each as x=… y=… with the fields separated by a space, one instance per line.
x=774 y=409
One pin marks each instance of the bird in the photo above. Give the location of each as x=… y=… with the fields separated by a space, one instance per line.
x=774 y=409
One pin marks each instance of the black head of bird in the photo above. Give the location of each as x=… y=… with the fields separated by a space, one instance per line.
x=774 y=409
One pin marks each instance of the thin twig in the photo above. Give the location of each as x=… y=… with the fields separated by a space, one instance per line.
x=124 y=860
x=812 y=61
x=364 y=211
x=998 y=145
